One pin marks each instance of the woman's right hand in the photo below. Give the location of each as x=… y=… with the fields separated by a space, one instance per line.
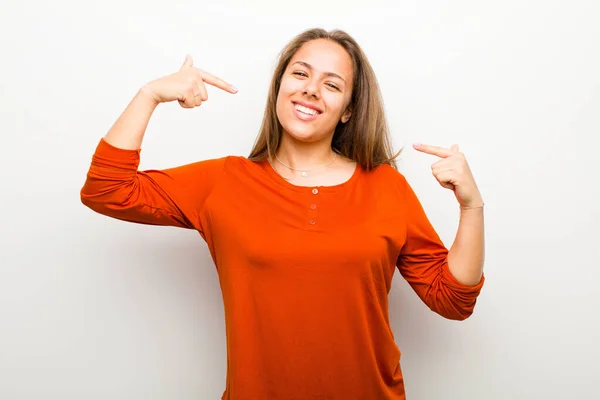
x=186 y=86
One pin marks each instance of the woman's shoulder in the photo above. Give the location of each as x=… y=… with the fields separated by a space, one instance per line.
x=234 y=161
x=388 y=174
x=242 y=165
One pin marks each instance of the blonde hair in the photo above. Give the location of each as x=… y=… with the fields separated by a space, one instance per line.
x=365 y=137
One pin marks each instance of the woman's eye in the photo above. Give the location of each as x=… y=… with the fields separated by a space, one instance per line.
x=300 y=73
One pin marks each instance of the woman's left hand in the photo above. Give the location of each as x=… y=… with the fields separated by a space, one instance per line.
x=453 y=172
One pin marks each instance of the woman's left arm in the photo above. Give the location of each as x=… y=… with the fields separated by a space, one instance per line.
x=467 y=254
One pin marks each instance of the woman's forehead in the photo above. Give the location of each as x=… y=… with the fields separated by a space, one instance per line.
x=325 y=56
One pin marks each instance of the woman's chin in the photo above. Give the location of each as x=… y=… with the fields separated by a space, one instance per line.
x=303 y=134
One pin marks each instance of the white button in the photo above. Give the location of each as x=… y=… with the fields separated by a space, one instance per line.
x=312 y=222
x=315 y=191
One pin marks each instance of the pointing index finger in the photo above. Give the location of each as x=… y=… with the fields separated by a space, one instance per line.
x=217 y=82
x=433 y=150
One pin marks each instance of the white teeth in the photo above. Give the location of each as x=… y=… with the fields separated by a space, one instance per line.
x=306 y=110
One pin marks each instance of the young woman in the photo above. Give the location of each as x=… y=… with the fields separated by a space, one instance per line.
x=307 y=231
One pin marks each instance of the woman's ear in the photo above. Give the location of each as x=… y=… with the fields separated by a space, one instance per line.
x=346 y=115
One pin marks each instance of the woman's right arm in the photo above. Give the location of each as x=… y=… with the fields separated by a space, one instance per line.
x=116 y=188
x=129 y=129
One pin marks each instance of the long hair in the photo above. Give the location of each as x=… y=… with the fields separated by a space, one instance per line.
x=365 y=137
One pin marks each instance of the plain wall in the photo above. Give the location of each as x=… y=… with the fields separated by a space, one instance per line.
x=93 y=308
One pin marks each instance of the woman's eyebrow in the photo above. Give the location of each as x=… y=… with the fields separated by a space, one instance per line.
x=307 y=65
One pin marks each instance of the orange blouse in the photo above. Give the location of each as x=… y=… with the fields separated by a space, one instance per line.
x=305 y=272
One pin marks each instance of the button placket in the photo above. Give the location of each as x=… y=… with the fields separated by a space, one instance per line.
x=312 y=221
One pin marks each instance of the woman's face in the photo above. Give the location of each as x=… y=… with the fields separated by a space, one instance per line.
x=315 y=91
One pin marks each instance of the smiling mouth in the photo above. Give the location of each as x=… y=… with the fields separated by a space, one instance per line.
x=306 y=110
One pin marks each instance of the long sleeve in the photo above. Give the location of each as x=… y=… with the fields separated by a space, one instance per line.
x=423 y=262
x=170 y=197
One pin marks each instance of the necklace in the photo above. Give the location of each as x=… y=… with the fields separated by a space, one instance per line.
x=304 y=173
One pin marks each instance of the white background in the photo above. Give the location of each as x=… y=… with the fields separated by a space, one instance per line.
x=93 y=308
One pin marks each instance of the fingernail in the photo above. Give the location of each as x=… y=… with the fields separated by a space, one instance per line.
x=417 y=145
x=234 y=89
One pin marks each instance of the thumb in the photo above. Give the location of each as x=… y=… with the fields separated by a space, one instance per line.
x=188 y=62
x=454 y=147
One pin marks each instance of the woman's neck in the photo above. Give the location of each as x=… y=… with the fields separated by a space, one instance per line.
x=304 y=156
